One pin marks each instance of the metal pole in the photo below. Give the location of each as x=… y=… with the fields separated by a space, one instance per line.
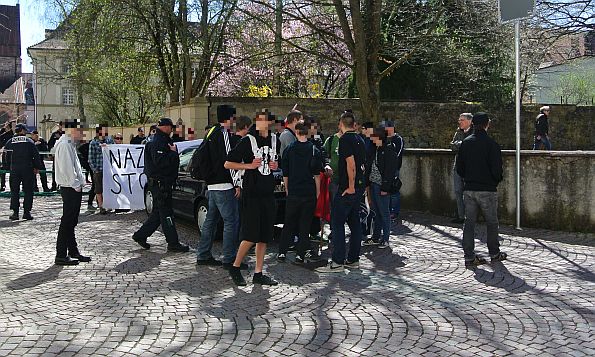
x=517 y=45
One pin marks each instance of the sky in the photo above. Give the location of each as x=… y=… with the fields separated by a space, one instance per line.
x=34 y=21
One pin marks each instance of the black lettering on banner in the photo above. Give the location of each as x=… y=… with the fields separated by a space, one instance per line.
x=142 y=182
x=114 y=177
x=128 y=157
x=140 y=163
x=112 y=159
x=129 y=181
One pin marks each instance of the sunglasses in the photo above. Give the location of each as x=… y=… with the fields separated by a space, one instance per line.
x=118 y=138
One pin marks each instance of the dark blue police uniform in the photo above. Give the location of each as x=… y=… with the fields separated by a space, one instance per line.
x=22 y=157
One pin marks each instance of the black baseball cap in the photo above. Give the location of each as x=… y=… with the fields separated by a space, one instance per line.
x=21 y=127
x=165 y=122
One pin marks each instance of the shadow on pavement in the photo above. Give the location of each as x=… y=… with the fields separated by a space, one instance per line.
x=501 y=277
x=145 y=262
x=32 y=280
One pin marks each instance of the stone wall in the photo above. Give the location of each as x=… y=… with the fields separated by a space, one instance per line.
x=557 y=188
x=432 y=125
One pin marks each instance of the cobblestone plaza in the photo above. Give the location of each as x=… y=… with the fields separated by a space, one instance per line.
x=414 y=299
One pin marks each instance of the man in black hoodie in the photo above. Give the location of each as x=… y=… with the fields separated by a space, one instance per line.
x=479 y=163
x=223 y=197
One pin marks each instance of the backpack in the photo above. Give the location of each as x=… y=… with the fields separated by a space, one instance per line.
x=200 y=163
x=238 y=175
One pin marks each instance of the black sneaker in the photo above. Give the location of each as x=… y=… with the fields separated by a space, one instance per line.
x=142 y=242
x=14 y=216
x=210 y=262
x=264 y=280
x=236 y=276
x=499 y=257
x=369 y=242
x=281 y=257
x=331 y=267
x=299 y=260
x=27 y=216
x=228 y=266
x=178 y=248
x=475 y=262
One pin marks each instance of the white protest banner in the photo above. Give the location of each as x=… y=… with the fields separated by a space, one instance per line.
x=182 y=145
x=123 y=177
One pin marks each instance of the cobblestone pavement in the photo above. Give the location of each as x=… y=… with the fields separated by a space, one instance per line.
x=416 y=299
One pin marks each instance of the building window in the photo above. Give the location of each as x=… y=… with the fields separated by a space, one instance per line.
x=66 y=67
x=67 y=96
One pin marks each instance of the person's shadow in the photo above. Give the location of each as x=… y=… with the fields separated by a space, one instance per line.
x=146 y=261
x=502 y=278
x=384 y=259
x=32 y=280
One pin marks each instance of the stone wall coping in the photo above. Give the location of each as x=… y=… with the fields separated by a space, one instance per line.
x=578 y=153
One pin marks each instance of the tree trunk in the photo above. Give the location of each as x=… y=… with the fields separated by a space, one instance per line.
x=278 y=48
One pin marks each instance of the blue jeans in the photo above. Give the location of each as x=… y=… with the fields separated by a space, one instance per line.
x=346 y=209
x=380 y=206
x=222 y=203
x=545 y=141
x=459 y=184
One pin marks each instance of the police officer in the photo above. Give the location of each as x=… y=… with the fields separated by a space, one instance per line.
x=25 y=162
x=6 y=134
x=161 y=170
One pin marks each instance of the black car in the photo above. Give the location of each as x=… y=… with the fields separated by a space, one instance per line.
x=190 y=195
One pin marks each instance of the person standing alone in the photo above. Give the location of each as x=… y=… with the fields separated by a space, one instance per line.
x=479 y=163
x=542 y=128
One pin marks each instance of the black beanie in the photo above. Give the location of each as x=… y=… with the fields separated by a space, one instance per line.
x=224 y=112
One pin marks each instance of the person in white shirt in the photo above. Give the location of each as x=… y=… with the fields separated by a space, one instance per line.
x=69 y=176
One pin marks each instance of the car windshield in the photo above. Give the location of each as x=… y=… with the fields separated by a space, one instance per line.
x=185 y=158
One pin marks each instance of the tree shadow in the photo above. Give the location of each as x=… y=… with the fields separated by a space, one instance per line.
x=502 y=278
x=145 y=262
x=32 y=280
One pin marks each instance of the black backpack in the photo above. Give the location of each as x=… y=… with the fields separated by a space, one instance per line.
x=200 y=163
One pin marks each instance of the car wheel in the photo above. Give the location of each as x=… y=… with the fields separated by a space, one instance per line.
x=148 y=201
x=201 y=213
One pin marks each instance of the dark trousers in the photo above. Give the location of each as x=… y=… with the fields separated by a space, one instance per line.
x=2 y=180
x=91 y=192
x=18 y=177
x=298 y=216
x=44 y=180
x=162 y=215
x=71 y=207
x=346 y=209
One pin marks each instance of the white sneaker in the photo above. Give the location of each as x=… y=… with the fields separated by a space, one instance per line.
x=331 y=267
x=383 y=245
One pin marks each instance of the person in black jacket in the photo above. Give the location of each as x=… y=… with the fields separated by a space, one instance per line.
x=161 y=168
x=83 y=153
x=25 y=162
x=6 y=134
x=42 y=146
x=542 y=139
x=479 y=163
x=301 y=164
x=381 y=175
x=138 y=139
x=222 y=195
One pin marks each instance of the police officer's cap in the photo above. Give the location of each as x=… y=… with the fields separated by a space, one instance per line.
x=21 y=127
x=165 y=122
